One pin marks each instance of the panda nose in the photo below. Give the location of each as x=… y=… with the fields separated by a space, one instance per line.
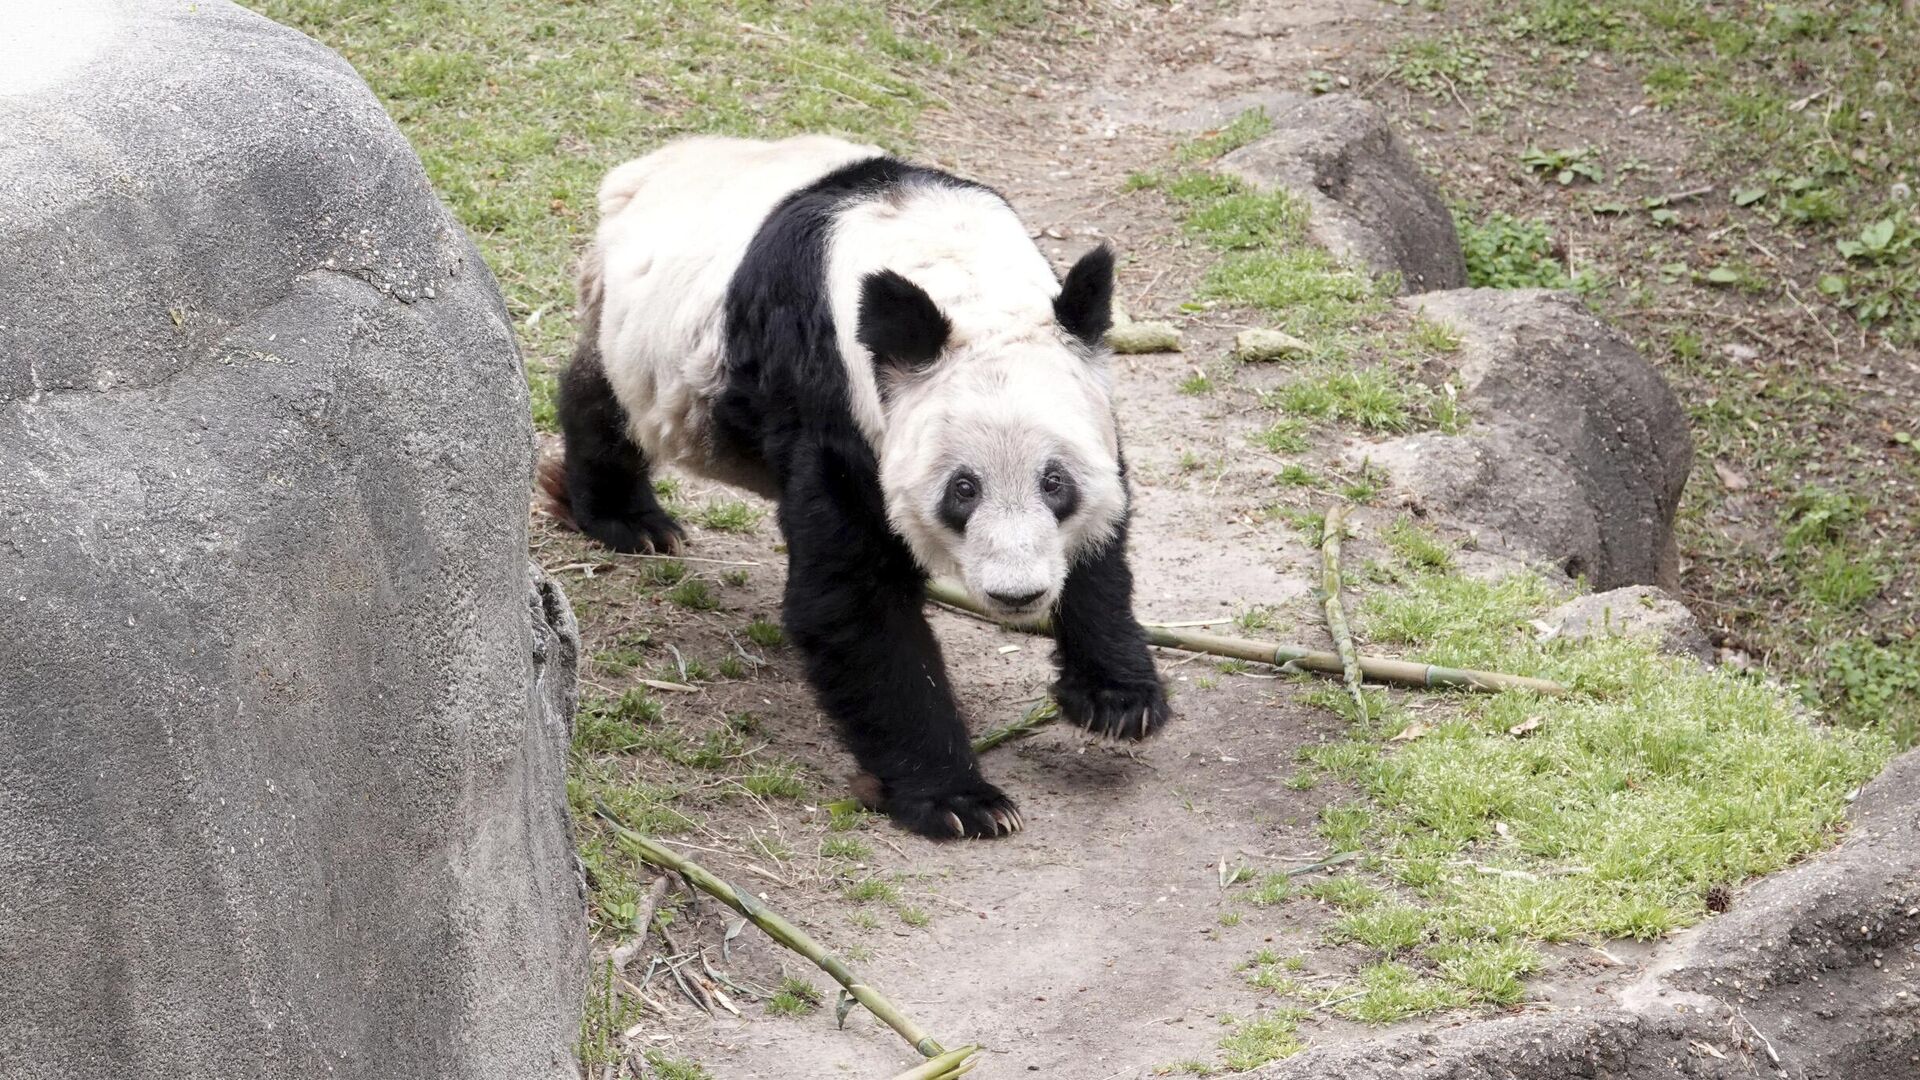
x=1017 y=600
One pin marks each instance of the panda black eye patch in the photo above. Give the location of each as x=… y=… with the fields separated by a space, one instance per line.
x=958 y=501
x=1058 y=491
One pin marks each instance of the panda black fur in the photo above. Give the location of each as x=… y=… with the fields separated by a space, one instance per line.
x=880 y=348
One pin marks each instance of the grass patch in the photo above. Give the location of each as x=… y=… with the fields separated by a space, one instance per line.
x=1653 y=783
x=796 y=997
x=1387 y=991
x=1417 y=546
x=766 y=633
x=1262 y=1040
x=1243 y=129
x=729 y=516
x=871 y=890
x=694 y=594
x=1374 y=399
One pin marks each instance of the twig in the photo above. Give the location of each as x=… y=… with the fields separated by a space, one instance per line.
x=1330 y=533
x=776 y=927
x=1380 y=669
x=623 y=954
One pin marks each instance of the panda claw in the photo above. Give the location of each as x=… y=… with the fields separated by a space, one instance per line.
x=1119 y=712
x=971 y=808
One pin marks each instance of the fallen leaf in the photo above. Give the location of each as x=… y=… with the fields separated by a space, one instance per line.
x=1525 y=727
x=1415 y=730
x=1729 y=479
x=1005 y=649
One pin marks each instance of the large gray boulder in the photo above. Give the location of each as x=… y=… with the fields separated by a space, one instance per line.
x=1576 y=450
x=283 y=708
x=1369 y=201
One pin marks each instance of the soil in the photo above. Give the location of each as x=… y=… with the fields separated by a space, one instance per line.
x=1090 y=945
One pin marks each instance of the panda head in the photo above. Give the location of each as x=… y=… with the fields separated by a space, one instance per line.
x=1000 y=462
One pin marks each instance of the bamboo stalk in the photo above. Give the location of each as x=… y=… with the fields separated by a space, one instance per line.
x=776 y=927
x=1035 y=718
x=1377 y=668
x=945 y=1067
x=1334 y=527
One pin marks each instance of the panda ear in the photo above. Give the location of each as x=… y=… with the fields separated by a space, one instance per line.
x=1085 y=304
x=899 y=323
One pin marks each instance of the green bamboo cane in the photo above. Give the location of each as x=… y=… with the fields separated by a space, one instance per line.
x=1379 y=669
x=779 y=929
x=1331 y=532
x=945 y=1067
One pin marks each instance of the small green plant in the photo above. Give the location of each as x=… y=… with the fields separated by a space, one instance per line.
x=736 y=578
x=694 y=594
x=1263 y=1039
x=1505 y=252
x=1197 y=384
x=775 y=782
x=732 y=516
x=1565 y=166
x=1346 y=892
x=1374 y=399
x=766 y=633
x=845 y=847
x=670 y=1068
x=1388 y=991
x=1283 y=437
x=871 y=890
x=1271 y=890
x=915 y=917
x=796 y=997
x=662 y=571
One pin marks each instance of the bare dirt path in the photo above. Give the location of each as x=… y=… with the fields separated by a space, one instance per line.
x=1098 y=943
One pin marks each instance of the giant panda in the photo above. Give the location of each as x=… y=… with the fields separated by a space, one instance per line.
x=880 y=348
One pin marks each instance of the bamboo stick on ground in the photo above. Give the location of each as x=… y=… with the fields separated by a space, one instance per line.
x=1331 y=532
x=1379 y=669
x=776 y=927
x=945 y=1067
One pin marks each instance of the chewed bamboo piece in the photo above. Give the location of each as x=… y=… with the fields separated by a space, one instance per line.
x=778 y=928
x=1331 y=532
x=1377 y=668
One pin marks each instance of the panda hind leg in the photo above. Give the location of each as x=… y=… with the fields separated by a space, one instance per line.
x=607 y=489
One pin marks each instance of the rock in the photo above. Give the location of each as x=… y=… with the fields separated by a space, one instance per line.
x=1369 y=201
x=1260 y=346
x=1144 y=337
x=283 y=710
x=1634 y=611
x=1576 y=450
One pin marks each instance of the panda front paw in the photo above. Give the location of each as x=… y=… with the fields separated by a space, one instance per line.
x=648 y=532
x=969 y=808
x=1120 y=711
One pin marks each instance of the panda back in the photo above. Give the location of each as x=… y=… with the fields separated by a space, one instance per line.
x=674 y=227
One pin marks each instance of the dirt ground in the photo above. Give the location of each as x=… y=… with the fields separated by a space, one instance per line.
x=1092 y=944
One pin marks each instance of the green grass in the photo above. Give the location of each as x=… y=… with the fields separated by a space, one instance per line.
x=871 y=890
x=845 y=847
x=1373 y=399
x=1346 y=892
x=1243 y=129
x=519 y=109
x=694 y=594
x=796 y=997
x=1417 y=545
x=1389 y=928
x=730 y=516
x=1387 y=991
x=1262 y=1040
x=766 y=633
x=671 y=1068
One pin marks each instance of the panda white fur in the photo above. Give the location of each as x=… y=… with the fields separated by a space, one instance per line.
x=880 y=348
